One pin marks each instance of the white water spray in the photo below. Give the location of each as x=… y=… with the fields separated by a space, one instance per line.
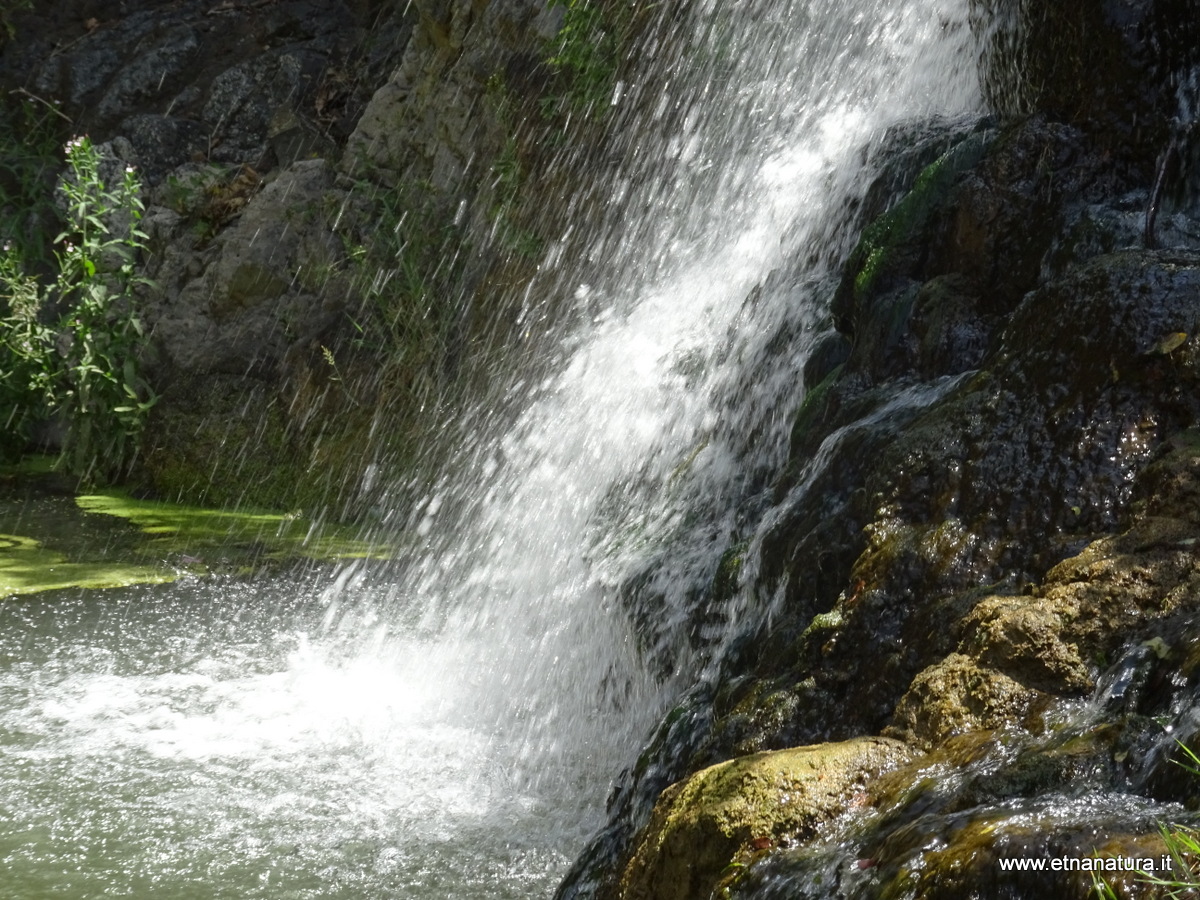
x=636 y=446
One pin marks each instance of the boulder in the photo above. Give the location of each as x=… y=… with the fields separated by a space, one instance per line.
x=705 y=828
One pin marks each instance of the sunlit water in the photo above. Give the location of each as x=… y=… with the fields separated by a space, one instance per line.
x=182 y=742
x=448 y=727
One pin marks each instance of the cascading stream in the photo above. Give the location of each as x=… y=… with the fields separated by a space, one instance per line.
x=451 y=729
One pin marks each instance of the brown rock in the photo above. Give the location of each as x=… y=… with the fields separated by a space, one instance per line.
x=958 y=696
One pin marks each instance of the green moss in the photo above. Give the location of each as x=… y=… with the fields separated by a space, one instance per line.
x=26 y=567
x=884 y=238
x=815 y=405
x=826 y=621
x=729 y=570
x=704 y=827
x=192 y=530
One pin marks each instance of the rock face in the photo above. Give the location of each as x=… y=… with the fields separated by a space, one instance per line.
x=345 y=205
x=982 y=543
x=1046 y=56
x=311 y=170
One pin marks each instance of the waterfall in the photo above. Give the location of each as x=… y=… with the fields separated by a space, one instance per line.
x=560 y=552
x=449 y=726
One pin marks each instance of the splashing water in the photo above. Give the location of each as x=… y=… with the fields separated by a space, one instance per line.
x=450 y=729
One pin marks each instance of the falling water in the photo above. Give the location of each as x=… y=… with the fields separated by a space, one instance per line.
x=449 y=728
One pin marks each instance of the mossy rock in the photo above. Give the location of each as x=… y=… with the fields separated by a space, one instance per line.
x=958 y=696
x=892 y=245
x=724 y=815
x=1025 y=639
x=964 y=859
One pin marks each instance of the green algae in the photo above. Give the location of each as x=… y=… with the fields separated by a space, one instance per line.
x=885 y=238
x=26 y=567
x=50 y=541
x=191 y=530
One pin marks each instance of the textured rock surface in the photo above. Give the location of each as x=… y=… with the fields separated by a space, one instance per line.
x=724 y=815
x=973 y=535
x=292 y=237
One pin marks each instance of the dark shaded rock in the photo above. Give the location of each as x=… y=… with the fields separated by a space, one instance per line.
x=1111 y=67
x=156 y=64
x=242 y=101
x=228 y=68
x=160 y=143
x=828 y=354
x=950 y=334
x=983 y=216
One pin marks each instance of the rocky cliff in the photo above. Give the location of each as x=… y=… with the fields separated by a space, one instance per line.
x=982 y=544
x=331 y=193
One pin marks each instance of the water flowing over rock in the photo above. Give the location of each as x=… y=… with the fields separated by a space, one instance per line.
x=907 y=570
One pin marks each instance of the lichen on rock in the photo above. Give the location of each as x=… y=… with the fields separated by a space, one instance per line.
x=705 y=828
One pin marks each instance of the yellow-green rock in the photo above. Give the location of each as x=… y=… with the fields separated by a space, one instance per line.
x=704 y=827
x=957 y=696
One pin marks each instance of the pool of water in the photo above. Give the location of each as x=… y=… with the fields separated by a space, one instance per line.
x=210 y=738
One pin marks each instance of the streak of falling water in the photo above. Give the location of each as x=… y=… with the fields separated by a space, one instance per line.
x=743 y=157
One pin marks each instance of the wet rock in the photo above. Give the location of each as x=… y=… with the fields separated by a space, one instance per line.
x=828 y=353
x=1045 y=57
x=942 y=822
x=730 y=812
x=932 y=279
x=975 y=517
x=1047 y=441
x=1024 y=639
x=958 y=696
x=951 y=336
x=966 y=859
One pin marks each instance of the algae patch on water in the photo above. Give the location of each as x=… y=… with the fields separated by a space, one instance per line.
x=27 y=567
x=50 y=541
x=250 y=535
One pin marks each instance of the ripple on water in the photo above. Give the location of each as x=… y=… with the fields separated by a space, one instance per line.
x=192 y=740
